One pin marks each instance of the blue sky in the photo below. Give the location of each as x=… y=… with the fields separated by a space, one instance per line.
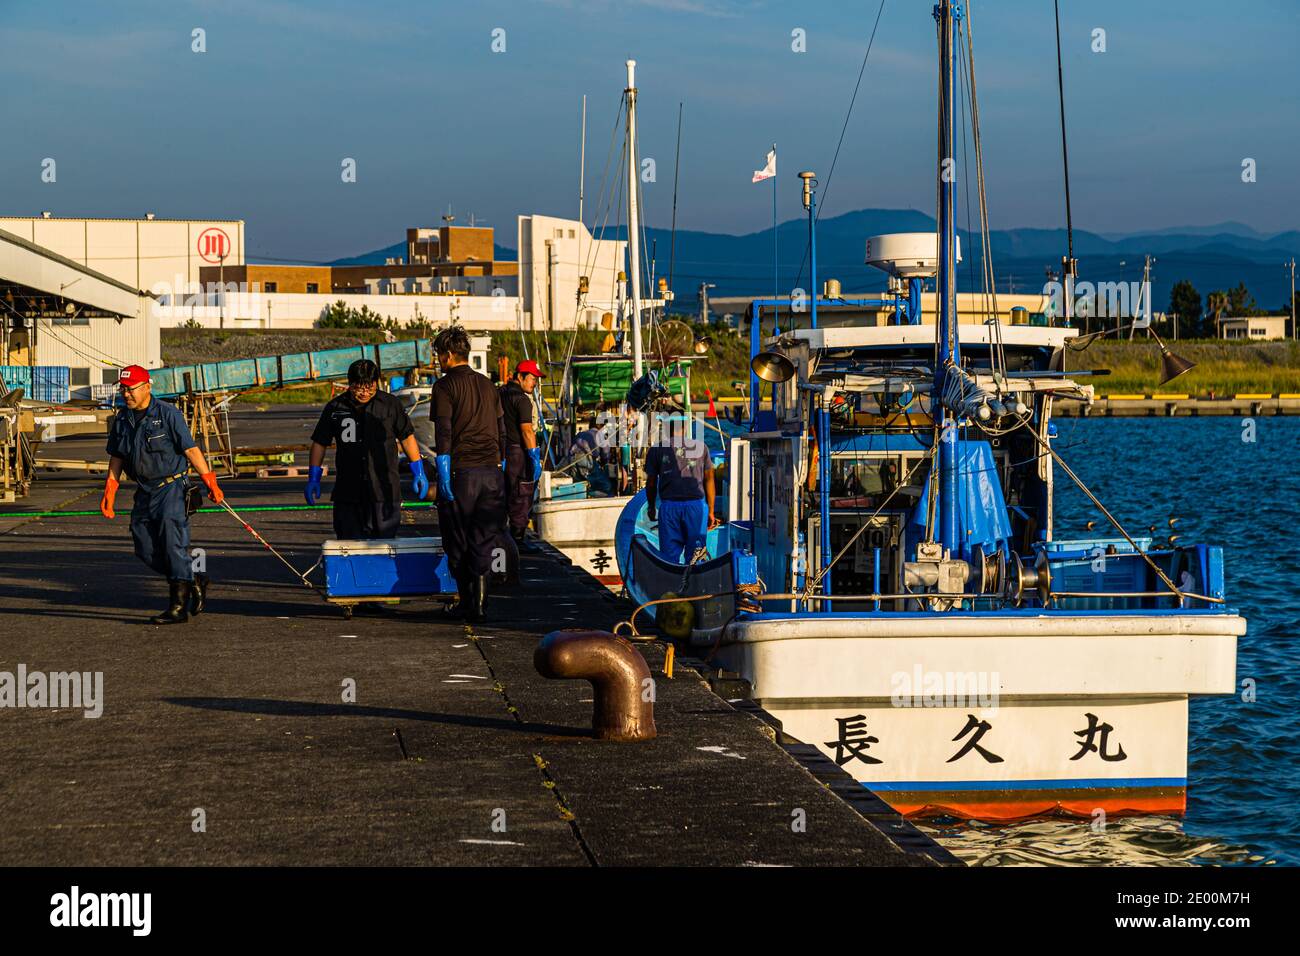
x=256 y=127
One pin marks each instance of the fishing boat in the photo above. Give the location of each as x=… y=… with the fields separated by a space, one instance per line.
x=576 y=516
x=574 y=512
x=889 y=584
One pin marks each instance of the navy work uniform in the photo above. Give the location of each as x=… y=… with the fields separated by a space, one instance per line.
x=367 y=486
x=468 y=427
x=676 y=473
x=517 y=409
x=152 y=446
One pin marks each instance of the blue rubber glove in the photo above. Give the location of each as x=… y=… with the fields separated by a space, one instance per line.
x=535 y=456
x=421 y=482
x=443 y=464
x=503 y=464
x=312 y=491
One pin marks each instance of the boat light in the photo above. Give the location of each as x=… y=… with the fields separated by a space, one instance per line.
x=772 y=367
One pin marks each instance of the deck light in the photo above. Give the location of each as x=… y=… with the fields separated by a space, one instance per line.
x=772 y=367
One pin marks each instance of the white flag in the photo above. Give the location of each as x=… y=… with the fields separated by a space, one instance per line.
x=768 y=171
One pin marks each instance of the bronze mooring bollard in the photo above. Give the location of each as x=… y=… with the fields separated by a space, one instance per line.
x=620 y=680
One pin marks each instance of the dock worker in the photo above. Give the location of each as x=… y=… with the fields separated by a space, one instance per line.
x=367 y=426
x=469 y=445
x=680 y=488
x=523 y=456
x=151 y=443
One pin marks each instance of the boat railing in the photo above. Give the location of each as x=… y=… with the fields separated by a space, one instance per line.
x=968 y=596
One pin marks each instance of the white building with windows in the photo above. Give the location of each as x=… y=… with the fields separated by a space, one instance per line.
x=554 y=254
x=1257 y=328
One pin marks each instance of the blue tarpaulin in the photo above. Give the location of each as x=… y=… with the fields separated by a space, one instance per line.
x=982 y=511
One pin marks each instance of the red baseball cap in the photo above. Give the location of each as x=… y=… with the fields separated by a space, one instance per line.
x=529 y=367
x=133 y=375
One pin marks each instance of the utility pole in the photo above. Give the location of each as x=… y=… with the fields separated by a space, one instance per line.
x=1144 y=298
x=1292 y=264
x=704 y=301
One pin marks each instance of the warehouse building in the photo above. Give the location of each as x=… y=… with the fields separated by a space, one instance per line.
x=57 y=312
x=157 y=255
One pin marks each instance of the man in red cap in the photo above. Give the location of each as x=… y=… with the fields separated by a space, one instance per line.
x=150 y=441
x=523 y=457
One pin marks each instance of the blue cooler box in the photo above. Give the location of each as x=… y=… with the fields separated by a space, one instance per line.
x=386 y=567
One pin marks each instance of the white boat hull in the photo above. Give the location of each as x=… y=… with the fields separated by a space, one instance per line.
x=583 y=530
x=994 y=717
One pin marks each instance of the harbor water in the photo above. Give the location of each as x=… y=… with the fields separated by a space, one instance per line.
x=1233 y=482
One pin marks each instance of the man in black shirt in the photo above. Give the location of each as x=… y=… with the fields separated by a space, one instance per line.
x=469 y=442
x=368 y=426
x=523 y=457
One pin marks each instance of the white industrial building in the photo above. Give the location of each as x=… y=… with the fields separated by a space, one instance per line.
x=57 y=311
x=554 y=254
x=241 y=309
x=157 y=255
x=92 y=294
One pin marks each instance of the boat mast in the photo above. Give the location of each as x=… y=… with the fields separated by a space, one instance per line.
x=946 y=328
x=633 y=222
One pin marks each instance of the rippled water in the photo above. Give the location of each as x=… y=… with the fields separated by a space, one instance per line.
x=1244 y=761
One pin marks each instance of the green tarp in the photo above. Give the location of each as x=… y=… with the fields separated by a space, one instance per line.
x=596 y=382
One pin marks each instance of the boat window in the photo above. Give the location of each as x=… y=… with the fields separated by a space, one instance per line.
x=859 y=481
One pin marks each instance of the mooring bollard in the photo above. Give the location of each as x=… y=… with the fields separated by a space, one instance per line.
x=622 y=688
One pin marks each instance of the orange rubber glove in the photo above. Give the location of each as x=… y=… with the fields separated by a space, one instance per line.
x=215 y=493
x=110 y=493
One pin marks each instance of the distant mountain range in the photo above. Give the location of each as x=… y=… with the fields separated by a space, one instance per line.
x=1212 y=257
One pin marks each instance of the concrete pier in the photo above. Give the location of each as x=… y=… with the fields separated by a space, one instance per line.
x=234 y=739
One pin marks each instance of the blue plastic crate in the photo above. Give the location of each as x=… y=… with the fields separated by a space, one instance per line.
x=41 y=383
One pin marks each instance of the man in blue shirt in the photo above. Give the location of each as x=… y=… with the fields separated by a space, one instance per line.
x=150 y=441
x=680 y=493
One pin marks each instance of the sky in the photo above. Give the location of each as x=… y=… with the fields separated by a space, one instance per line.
x=257 y=126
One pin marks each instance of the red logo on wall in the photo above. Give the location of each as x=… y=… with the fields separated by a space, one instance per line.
x=213 y=245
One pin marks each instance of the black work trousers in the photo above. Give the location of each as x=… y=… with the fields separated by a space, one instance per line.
x=471 y=525
x=366 y=519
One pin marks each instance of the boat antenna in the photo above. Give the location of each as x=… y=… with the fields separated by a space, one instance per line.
x=1071 y=266
x=582 y=159
x=677 y=163
x=633 y=222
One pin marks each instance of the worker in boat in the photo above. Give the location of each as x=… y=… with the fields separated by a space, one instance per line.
x=680 y=492
x=368 y=427
x=470 y=448
x=523 y=456
x=588 y=458
x=150 y=441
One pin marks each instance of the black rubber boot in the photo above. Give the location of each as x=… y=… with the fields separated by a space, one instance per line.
x=522 y=544
x=476 y=610
x=178 y=605
x=459 y=609
x=198 y=594
x=510 y=577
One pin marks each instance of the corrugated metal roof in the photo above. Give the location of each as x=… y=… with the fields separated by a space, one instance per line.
x=19 y=241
